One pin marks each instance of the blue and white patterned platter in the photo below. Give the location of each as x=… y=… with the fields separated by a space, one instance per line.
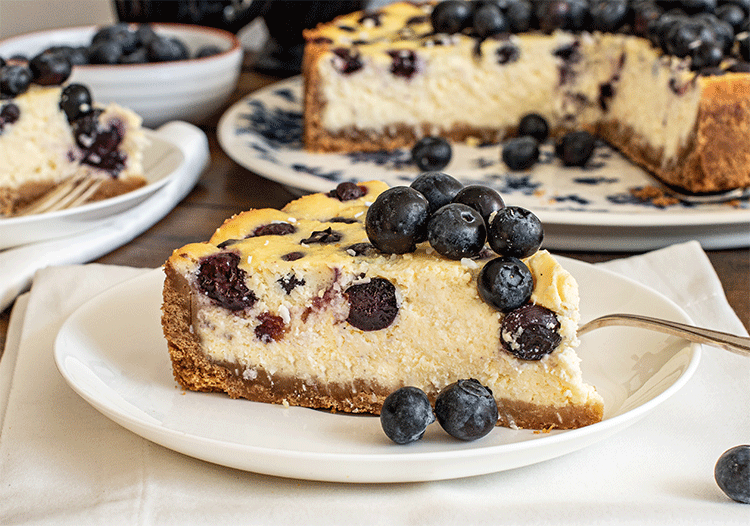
x=582 y=209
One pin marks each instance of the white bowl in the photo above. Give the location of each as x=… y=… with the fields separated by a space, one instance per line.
x=188 y=90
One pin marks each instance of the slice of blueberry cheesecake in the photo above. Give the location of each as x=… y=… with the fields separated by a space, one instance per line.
x=50 y=133
x=666 y=87
x=331 y=303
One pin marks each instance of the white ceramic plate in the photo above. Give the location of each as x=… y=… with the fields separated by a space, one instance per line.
x=160 y=160
x=582 y=209
x=122 y=368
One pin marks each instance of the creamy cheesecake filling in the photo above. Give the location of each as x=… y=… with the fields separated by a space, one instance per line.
x=419 y=348
x=611 y=78
x=450 y=88
x=31 y=149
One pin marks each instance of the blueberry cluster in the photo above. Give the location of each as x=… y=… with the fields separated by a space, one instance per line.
x=16 y=76
x=465 y=410
x=123 y=43
x=520 y=153
x=458 y=221
x=707 y=31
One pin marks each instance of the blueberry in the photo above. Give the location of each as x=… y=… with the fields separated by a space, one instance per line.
x=347 y=60
x=483 y=199
x=534 y=125
x=572 y=15
x=432 y=153
x=323 y=237
x=692 y=7
x=405 y=415
x=706 y=55
x=271 y=327
x=9 y=113
x=105 y=52
x=75 y=101
x=732 y=473
x=50 y=68
x=608 y=15
x=505 y=283
x=397 y=220
x=520 y=153
x=120 y=34
x=575 y=148
x=466 y=410
x=489 y=20
x=273 y=229
x=404 y=63
x=643 y=15
x=530 y=332
x=519 y=15
x=683 y=36
x=732 y=14
x=220 y=278
x=457 y=231
x=507 y=53
x=515 y=231
x=167 y=49
x=139 y=56
x=719 y=31
x=207 y=51
x=145 y=34
x=14 y=80
x=439 y=188
x=662 y=26
x=451 y=16
x=348 y=191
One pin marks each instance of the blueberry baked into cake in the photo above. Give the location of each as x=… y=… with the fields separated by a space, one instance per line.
x=341 y=298
x=51 y=132
x=665 y=82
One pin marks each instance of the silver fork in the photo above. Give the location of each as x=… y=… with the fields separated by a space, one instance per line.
x=730 y=342
x=73 y=192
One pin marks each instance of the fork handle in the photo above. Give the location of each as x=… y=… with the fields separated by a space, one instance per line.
x=730 y=342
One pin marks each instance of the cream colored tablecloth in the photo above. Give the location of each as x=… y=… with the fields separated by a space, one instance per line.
x=62 y=462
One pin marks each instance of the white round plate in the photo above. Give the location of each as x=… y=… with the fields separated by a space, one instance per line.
x=582 y=209
x=160 y=160
x=122 y=368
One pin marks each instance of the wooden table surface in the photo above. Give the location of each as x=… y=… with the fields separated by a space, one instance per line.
x=226 y=188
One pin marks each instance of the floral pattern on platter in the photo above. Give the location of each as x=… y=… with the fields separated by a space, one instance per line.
x=267 y=125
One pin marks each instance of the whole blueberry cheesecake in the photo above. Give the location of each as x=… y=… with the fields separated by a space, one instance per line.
x=341 y=298
x=51 y=131
x=665 y=82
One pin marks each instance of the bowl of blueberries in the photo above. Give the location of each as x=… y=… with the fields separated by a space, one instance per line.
x=163 y=72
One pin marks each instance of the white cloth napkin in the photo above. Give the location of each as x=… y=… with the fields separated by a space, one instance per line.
x=62 y=462
x=18 y=265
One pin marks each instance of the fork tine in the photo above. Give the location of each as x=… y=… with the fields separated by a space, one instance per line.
x=89 y=190
x=72 y=197
x=70 y=193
